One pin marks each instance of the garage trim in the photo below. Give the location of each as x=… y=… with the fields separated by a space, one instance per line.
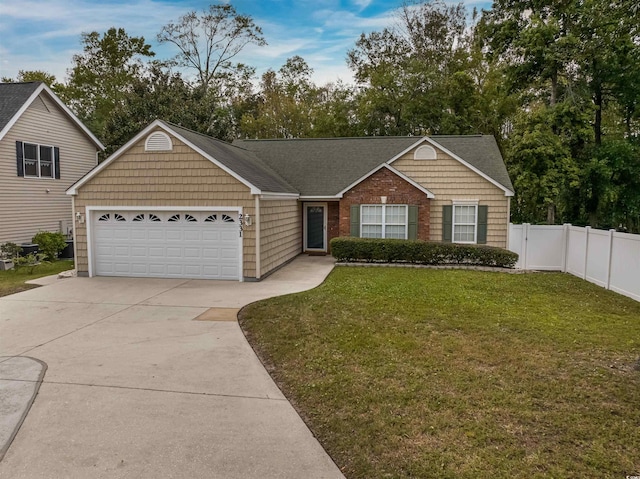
x=89 y=210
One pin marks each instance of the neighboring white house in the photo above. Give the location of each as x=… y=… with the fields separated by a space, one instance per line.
x=44 y=149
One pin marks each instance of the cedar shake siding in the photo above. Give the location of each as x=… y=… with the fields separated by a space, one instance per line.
x=181 y=177
x=29 y=205
x=280 y=232
x=449 y=180
x=398 y=192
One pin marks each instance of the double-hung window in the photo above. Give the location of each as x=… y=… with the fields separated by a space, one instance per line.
x=383 y=221
x=464 y=223
x=37 y=161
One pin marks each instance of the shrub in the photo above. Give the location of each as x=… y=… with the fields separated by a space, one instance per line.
x=30 y=261
x=10 y=250
x=50 y=244
x=420 y=252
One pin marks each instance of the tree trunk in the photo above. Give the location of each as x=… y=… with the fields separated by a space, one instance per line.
x=551 y=214
x=597 y=124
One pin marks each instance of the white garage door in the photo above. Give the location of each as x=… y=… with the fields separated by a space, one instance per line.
x=161 y=244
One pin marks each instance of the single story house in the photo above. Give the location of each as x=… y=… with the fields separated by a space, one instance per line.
x=176 y=203
x=44 y=149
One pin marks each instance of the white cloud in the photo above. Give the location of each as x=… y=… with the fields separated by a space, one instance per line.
x=362 y=4
x=319 y=30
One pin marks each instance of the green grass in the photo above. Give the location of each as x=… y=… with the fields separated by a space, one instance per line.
x=459 y=374
x=13 y=280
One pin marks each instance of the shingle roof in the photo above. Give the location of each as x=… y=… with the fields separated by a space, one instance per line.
x=243 y=162
x=325 y=167
x=12 y=97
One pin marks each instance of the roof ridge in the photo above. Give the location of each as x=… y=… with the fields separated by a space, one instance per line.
x=20 y=82
x=204 y=135
x=378 y=137
x=253 y=157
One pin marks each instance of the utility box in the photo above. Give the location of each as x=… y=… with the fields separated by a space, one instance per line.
x=28 y=248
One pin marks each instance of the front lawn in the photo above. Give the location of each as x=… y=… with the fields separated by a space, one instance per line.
x=459 y=374
x=13 y=280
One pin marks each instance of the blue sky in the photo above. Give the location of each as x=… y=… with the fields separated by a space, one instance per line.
x=45 y=34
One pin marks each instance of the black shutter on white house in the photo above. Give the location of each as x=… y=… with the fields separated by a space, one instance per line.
x=56 y=160
x=20 y=158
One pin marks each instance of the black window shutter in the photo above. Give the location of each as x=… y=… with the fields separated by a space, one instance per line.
x=20 y=158
x=355 y=221
x=447 y=223
x=412 y=232
x=483 y=213
x=56 y=161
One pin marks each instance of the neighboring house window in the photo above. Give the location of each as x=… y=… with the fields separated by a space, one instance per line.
x=37 y=161
x=464 y=222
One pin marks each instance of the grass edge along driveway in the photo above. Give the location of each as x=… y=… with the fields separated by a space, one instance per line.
x=13 y=280
x=459 y=374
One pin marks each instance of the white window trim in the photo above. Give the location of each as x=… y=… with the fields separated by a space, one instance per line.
x=38 y=165
x=325 y=207
x=454 y=224
x=384 y=219
x=425 y=152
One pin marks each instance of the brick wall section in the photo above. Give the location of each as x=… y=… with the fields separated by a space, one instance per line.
x=397 y=191
x=333 y=221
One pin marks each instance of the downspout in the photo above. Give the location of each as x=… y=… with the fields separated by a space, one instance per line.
x=508 y=220
x=257 y=226
x=75 y=223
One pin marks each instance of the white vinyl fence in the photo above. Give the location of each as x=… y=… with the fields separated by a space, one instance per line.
x=606 y=258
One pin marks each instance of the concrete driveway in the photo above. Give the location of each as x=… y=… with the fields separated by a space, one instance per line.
x=153 y=378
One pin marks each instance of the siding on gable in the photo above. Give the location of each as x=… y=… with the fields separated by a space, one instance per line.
x=180 y=177
x=25 y=205
x=280 y=232
x=449 y=180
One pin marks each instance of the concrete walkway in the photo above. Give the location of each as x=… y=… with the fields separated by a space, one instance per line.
x=153 y=378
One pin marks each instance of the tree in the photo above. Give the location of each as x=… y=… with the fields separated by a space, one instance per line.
x=424 y=76
x=208 y=42
x=35 y=76
x=541 y=165
x=164 y=94
x=554 y=50
x=285 y=104
x=103 y=75
x=290 y=105
x=574 y=68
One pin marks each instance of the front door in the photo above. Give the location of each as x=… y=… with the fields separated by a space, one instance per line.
x=315 y=227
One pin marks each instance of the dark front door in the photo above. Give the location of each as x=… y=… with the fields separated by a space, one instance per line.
x=315 y=227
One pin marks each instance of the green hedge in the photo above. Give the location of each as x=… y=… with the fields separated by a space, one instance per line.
x=419 y=252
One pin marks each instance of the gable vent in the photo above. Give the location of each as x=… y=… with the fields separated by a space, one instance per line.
x=425 y=152
x=158 y=141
